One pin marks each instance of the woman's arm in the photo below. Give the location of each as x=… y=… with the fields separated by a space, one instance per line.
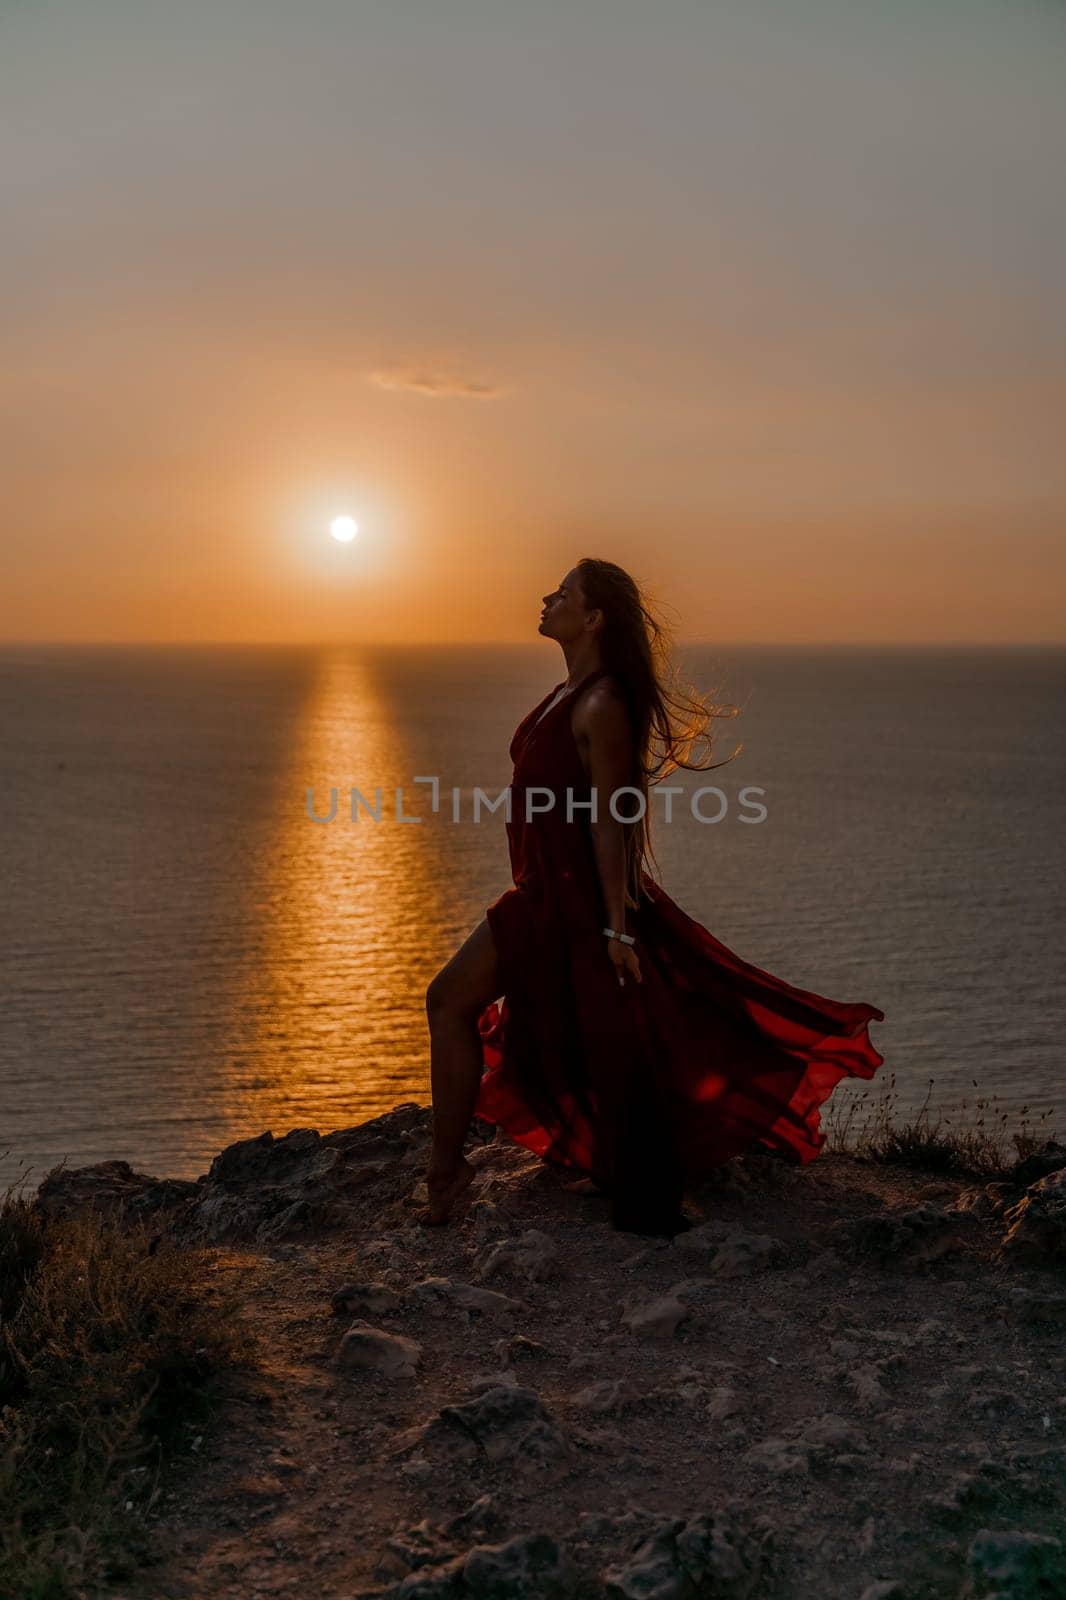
x=605 y=742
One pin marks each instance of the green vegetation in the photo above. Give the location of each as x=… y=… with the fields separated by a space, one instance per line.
x=110 y=1343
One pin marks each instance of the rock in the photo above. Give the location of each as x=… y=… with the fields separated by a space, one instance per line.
x=1015 y=1566
x=391 y=1247
x=530 y=1567
x=485 y=1302
x=621 y=1525
x=479 y=1522
x=491 y=1380
x=533 y=1255
x=259 y=1189
x=507 y=1422
x=722 y=1403
x=731 y=1252
x=258 y=1158
x=489 y=1220
x=520 y=1348
x=702 y=1241
x=610 y=1442
x=711 y=1555
x=836 y=1318
x=829 y=1433
x=912 y=1239
x=768 y=1168
x=432 y=1292
x=688 y=1387
x=779 y=1456
x=444 y=1582
x=997 y=1404
x=585 y=1361
x=684 y=1387
x=1051 y=1157
x=607 y=1396
x=865 y=1378
x=428 y=1545
x=365 y=1348
x=480 y=1302
x=744 y=1253
x=638 y=1259
x=904 y=1466
x=685 y=1384
x=114 y=1186
x=897 y=1337
x=968 y=1492
x=388 y=1255
x=929 y=1331
x=939 y=1190
x=819 y=1266
x=1030 y=1474
x=1024 y=1305
x=822 y=1440
x=1036 y=1226
x=375 y=1298
x=976 y=1202
x=865 y=1384
x=293 y=1219
x=411 y=1551
x=658 y=1318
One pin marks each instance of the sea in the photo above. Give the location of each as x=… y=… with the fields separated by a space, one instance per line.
x=193 y=950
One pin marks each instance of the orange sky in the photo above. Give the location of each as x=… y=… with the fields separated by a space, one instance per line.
x=762 y=302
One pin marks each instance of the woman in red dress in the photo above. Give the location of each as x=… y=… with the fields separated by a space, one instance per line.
x=631 y=1049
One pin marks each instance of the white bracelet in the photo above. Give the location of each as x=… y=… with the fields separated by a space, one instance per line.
x=626 y=938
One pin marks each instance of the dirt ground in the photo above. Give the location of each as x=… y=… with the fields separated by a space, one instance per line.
x=847 y=1420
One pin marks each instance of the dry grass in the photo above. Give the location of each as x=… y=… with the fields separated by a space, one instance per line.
x=976 y=1142
x=110 y=1341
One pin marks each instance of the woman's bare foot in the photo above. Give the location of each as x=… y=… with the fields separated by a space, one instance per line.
x=444 y=1190
x=582 y=1186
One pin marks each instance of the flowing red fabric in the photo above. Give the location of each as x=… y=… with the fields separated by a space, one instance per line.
x=641 y=1086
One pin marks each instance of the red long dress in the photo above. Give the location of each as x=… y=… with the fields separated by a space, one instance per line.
x=639 y=1086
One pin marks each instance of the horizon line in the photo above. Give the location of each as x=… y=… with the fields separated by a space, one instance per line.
x=517 y=644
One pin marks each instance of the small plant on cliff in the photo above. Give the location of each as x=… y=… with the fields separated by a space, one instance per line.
x=109 y=1342
x=980 y=1147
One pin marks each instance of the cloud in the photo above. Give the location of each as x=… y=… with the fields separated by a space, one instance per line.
x=440 y=385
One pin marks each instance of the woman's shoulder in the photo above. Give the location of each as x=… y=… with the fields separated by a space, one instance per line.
x=605 y=688
x=602 y=701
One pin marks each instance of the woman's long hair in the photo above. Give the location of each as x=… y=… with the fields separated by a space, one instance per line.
x=670 y=721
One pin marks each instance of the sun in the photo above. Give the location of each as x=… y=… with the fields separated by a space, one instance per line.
x=344 y=529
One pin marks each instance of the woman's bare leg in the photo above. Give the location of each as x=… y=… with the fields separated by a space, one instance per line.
x=454 y=1001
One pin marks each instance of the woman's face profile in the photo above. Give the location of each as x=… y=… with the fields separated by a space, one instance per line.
x=564 y=616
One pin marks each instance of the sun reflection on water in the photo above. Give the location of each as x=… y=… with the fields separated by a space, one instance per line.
x=343 y=966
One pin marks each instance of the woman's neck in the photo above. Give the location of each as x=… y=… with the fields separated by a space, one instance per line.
x=581 y=659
